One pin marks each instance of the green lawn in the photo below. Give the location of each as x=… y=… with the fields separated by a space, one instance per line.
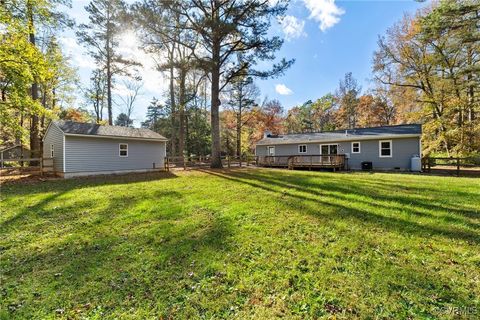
x=242 y=243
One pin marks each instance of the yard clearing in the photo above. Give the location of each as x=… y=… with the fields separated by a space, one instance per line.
x=246 y=243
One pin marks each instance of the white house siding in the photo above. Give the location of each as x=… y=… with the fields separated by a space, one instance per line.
x=402 y=151
x=93 y=154
x=54 y=136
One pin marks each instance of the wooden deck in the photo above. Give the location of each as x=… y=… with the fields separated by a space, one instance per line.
x=331 y=161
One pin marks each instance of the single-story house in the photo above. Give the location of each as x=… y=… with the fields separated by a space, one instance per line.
x=80 y=149
x=382 y=148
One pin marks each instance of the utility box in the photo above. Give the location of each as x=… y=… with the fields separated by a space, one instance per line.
x=367 y=166
x=416 y=164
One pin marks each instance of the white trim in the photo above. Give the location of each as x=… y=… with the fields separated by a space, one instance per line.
x=64 y=159
x=119 y=150
x=328 y=144
x=380 y=148
x=268 y=150
x=359 y=147
x=420 y=148
x=46 y=131
x=114 y=137
x=48 y=128
x=165 y=152
x=327 y=141
x=302 y=145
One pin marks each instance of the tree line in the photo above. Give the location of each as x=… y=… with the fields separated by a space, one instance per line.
x=425 y=70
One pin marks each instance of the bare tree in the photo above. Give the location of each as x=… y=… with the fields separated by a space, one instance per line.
x=133 y=91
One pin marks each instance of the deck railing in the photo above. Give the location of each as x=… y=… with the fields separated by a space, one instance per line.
x=334 y=161
x=274 y=161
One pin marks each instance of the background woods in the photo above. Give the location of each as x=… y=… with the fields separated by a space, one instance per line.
x=425 y=70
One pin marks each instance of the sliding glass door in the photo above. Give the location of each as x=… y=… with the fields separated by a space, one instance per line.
x=327 y=149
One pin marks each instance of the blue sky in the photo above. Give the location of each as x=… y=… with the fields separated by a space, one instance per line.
x=326 y=38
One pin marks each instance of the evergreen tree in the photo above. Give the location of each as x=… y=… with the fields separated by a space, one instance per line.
x=101 y=38
x=123 y=120
x=222 y=30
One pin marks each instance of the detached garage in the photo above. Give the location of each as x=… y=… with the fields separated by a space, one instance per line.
x=81 y=149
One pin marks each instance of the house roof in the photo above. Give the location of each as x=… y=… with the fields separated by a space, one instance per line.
x=397 y=131
x=93 y=129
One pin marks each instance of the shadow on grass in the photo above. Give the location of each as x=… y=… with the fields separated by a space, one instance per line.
x=40 y=186
x=312 y=194
x=119 y=254
x=58 y=188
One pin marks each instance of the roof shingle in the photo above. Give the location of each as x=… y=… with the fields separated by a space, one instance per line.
x=93 y=129
x=350 y=134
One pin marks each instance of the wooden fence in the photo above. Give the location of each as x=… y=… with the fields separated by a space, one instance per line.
x=26 y=165
x=455 y=165
x=205 y=161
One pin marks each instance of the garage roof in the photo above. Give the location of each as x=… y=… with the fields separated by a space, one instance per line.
x=93 y=129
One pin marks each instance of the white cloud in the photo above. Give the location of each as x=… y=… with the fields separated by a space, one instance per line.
x=292 y=27
x=78 y=54
x=324 y=11
x=283 y=90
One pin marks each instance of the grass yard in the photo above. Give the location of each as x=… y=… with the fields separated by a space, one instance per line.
x=253 y=243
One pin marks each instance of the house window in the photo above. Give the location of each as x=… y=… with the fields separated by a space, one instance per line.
x=123 y=150
x=52 y=151
x=302 y=148
x=385 y=148
x=326 y=149
x=355 y=147
x=271 y=151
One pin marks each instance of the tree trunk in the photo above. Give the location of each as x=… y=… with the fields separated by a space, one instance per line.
x=239 y=122
x=34 y=125
x=109 y=92
x=187 y=144
x=239 y=134
x=173 y=149
x=181 y=113
x=109 y=70
x=215 y=105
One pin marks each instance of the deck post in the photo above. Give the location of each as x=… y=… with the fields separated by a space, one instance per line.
x=458 y=167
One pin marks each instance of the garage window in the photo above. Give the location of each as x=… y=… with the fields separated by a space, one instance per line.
x=302 y=148
x=52 y=150
x=123 y=150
